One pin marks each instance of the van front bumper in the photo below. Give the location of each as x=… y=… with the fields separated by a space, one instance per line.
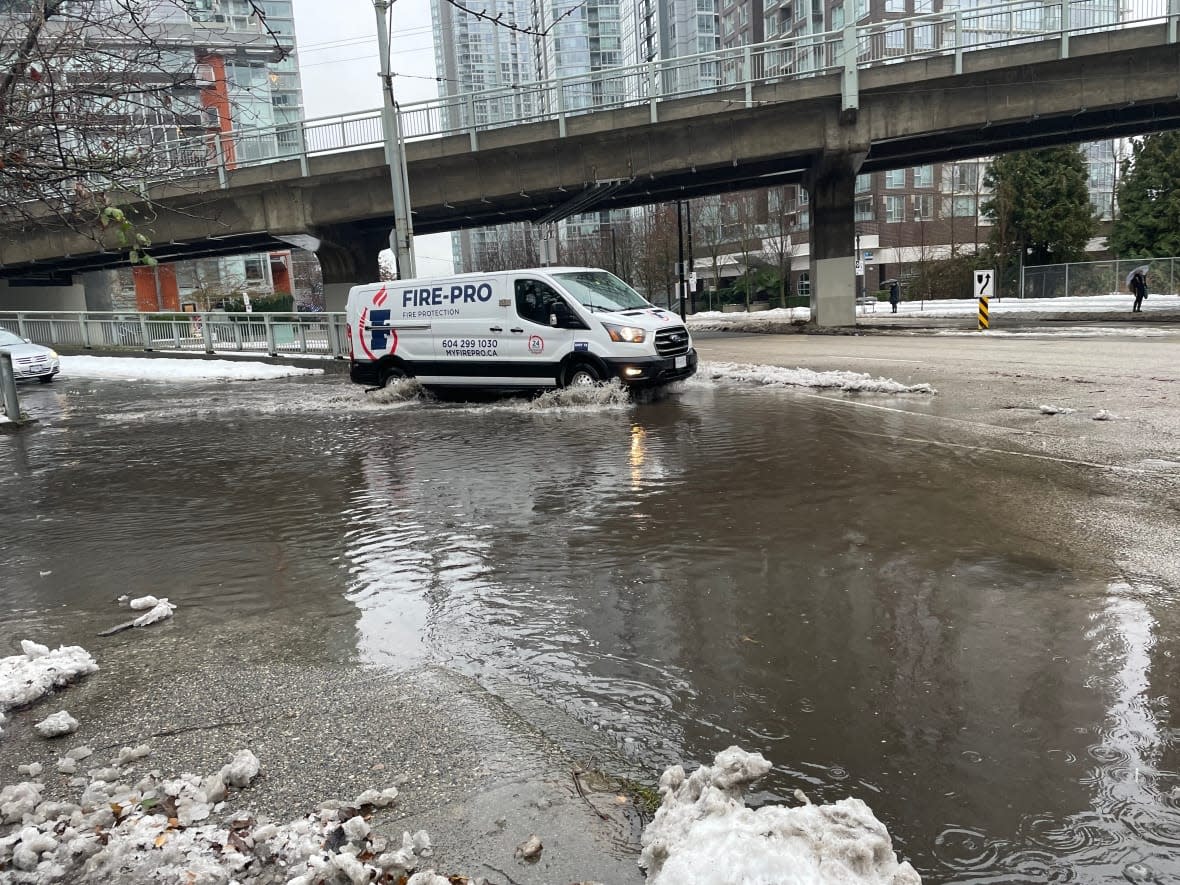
x=653 y=369
x=364 y=373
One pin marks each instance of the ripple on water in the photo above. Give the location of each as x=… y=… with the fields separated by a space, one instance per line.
x=964 y=849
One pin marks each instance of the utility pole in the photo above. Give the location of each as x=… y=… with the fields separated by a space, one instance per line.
x=680 y=251
x=401 y=238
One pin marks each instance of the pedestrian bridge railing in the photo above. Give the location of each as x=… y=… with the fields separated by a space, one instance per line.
x=264 y=334
x=958 y=28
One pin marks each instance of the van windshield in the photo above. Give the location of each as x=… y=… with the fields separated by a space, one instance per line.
x=599 y=290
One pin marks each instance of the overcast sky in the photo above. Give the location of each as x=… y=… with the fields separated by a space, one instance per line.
x=337 y=41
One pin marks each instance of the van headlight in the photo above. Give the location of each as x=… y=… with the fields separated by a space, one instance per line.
x=53 y=355
x=629 y=334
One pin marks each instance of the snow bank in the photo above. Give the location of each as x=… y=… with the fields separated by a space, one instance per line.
x=781 y=319
x=150 y=831
x=704 y=834
x=26 y=677
x=855 y=382
x=138 y=368
x=778 y=319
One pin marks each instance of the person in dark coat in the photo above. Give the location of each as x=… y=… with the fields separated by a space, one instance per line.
x=1139 y=290
x=894 y=294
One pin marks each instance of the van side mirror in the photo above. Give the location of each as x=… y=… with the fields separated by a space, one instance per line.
x=559 y=316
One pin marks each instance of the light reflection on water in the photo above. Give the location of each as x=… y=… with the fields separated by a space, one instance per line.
x=887 y=620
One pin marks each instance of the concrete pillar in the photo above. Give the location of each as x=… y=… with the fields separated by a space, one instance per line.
x=336 y=296
x=831 y=186
x=103 y=288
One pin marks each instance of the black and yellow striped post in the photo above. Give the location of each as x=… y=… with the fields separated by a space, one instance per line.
x=985 y=284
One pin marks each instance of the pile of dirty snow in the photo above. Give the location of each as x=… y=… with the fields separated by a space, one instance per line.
x=704 y=834
x=140 y=368
x=777 y=376
x=26 y=677
x=156 y=830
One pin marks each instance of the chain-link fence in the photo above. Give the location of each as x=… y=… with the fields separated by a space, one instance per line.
x=1083 y=278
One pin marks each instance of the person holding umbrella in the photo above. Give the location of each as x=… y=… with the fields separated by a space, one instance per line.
x=1137 y=283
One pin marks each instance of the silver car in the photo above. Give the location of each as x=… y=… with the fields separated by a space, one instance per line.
x=30 y=360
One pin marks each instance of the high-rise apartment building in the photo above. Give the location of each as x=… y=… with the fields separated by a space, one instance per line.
x=247 y=77
x=907 y=214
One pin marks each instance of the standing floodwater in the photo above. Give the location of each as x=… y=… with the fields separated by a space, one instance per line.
x=881 y=615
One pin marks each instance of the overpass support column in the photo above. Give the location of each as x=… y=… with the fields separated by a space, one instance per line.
x=831 y=185
x=348 y=257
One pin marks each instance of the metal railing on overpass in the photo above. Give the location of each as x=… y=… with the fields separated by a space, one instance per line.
x=957 y=29
x=263 y=334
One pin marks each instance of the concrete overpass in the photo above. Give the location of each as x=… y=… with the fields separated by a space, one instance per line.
x=820 y=129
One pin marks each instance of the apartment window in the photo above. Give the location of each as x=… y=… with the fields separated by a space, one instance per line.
x=804 y=222
x=837 y=18
x=924 y=207
x=894 y=209
x=804 y=286
x=923 y=37
x=254 y=269
x=800 y=9
x=962 y=207
x=864 y=183
x=864 y=209
x=895 y=38
x=895 y=5
x=895 y=178
x=771 y=26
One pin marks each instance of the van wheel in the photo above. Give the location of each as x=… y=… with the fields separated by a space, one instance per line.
x=393 y=372
x=583 y=375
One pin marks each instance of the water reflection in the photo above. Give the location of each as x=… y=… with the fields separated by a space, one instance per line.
x=910 y=624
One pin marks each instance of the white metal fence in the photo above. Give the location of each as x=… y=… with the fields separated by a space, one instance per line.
x=264 y=334
x=957 y=29
x=1082 y=278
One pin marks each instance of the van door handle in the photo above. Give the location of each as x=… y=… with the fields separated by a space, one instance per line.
x=495 y=329
x=516 y=330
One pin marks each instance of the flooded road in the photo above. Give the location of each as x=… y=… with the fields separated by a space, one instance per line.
x=925 y=626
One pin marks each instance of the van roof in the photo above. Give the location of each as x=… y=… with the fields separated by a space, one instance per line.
x=481 y=274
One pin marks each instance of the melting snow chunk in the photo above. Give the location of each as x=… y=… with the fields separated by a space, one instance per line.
x=56 y=725
x=26 y=677
x=703 y=833
x=161 y=610
x=143 y=602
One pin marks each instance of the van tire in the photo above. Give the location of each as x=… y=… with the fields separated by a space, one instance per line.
x=582 y=375
x=392 y=372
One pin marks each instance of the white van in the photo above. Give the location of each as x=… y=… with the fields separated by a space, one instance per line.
x=543 y=327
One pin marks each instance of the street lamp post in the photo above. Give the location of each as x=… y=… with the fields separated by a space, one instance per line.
x=401 y=238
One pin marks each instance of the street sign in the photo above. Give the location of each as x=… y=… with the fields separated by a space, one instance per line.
x=860 y=268
x=868 y=256
x=985 y=287
x=985 y=283
x=692 y=281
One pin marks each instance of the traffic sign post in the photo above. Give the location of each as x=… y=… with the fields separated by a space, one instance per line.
x=985 y=287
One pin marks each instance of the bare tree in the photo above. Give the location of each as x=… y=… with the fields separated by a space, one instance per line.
x=778 y=247
x=95 y=97
x=656 y=252
x=708 y=234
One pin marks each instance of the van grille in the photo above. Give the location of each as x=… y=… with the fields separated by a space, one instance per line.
x=672 y=342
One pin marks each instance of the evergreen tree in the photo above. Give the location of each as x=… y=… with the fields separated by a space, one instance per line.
x=1040 y=206
x=1149 y=199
